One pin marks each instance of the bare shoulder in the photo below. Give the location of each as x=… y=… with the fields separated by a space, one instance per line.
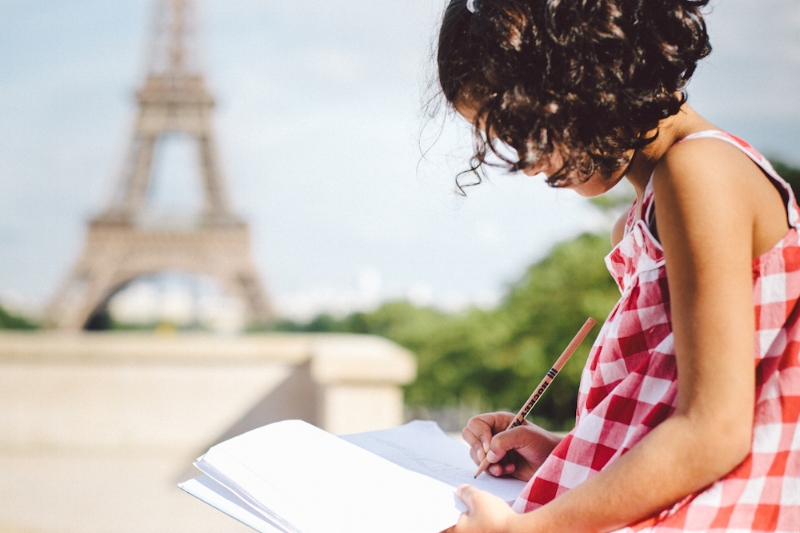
x=715 y=183
x=702 y=180
x=707 y=164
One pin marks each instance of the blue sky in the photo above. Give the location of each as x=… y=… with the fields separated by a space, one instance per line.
x=319 y=124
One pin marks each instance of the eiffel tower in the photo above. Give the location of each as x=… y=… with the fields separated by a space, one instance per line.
x=126 y=241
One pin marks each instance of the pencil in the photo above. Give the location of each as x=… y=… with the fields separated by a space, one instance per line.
x=546 y=381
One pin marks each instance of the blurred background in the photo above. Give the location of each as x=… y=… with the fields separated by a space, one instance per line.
x=346 y=183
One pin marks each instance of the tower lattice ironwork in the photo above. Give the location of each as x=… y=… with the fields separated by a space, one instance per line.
x=131 y=239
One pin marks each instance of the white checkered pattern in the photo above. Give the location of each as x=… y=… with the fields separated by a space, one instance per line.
x=629 y=386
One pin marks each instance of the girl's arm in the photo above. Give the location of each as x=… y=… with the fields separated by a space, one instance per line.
x=706 y=212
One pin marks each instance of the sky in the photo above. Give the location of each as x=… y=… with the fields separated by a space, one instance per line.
x=321 y=128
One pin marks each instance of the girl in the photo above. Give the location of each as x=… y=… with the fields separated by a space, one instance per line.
x=689 y=402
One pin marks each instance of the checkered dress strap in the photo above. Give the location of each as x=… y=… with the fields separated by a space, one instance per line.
x=629 y=385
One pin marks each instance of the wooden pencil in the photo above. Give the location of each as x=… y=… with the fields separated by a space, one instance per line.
x=546 y=381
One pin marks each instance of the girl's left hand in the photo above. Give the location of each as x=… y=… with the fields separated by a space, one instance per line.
x=486 y=513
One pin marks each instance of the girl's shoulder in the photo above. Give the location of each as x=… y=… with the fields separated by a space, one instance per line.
x=707 y=153
x=723 y=176
x=712 y=162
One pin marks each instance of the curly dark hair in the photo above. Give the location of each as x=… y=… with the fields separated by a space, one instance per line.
x=584 y=79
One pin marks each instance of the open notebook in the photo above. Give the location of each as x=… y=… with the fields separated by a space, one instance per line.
x=293 y=477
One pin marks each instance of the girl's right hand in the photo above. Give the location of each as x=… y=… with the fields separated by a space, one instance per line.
x=517 y=452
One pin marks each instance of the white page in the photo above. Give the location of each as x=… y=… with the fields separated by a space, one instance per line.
x=319 y=483
x=421 y=446
x=214 y=494
x=232 y=476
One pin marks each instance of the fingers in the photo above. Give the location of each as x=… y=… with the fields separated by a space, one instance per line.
x=496 y=454
x=466 y=494
x=502 y=469
x=478 y=434
x=513 y=439
x=485 y=513
x=524 y=449
x=480 y=430
x=487 y=441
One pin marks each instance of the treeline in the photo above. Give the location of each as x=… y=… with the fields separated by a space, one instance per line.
x=790 y=174
x=9 y=320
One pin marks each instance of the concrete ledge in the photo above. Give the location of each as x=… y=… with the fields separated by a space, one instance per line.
x=96 y=428
x=337 y=359
x=143 y=391
x=143 y=347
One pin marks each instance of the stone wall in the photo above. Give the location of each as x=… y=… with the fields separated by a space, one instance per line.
x=97 y=428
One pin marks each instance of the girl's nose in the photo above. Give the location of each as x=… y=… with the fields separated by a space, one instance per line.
x=547 y=165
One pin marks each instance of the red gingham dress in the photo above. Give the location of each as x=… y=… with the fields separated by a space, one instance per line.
x=629 y=385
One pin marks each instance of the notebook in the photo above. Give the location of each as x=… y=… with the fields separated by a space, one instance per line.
x=293 y=477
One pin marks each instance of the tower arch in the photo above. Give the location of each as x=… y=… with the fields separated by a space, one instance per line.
x=128 y=239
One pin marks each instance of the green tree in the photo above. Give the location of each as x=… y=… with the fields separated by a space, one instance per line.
x=10 y=320
x=790 y=173
x=493 y=359
x=543 y=311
